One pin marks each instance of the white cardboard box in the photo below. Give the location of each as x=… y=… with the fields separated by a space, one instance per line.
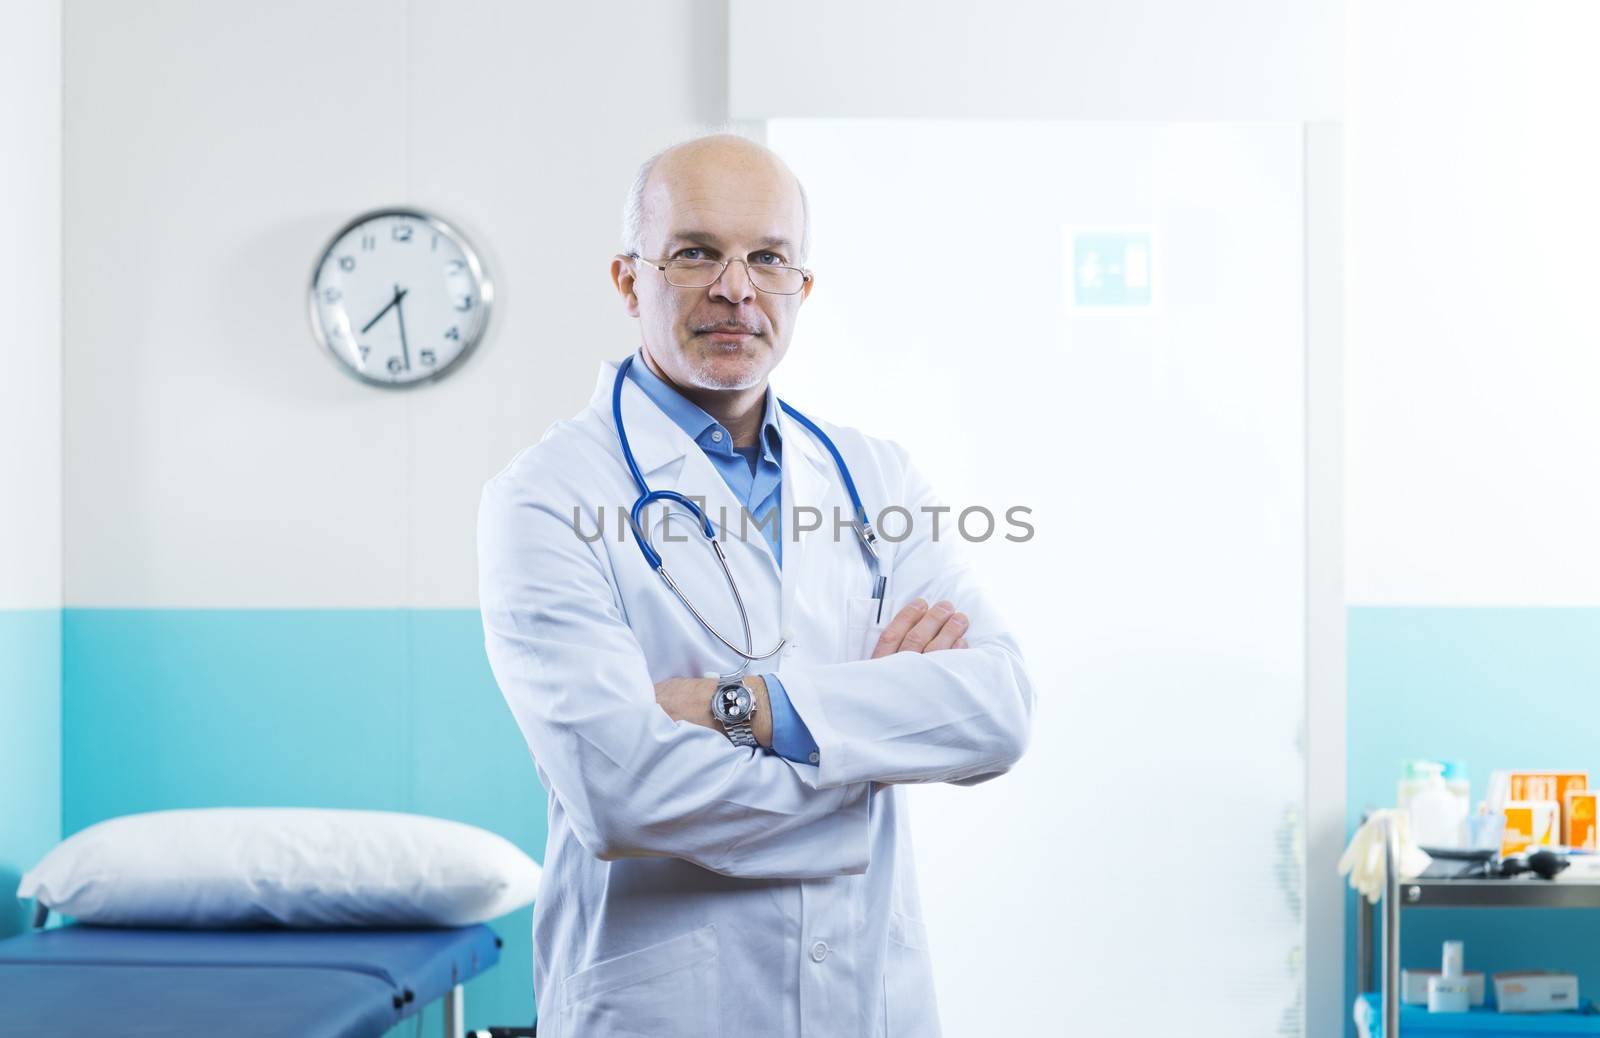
x=1414 y=986
x=1536 y=991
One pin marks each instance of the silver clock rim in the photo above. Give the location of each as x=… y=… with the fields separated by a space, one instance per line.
x=475 y=265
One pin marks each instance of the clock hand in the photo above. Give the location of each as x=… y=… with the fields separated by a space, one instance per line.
x=380 y=313
x=400 y=312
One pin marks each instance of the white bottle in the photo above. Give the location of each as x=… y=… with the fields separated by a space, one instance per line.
x=1450 y=992
x=1436 y=813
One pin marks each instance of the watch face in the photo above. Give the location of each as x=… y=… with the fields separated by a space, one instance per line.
x=732 y=704
x=399 y=297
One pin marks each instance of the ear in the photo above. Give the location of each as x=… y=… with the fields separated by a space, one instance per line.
x=805 y=292
x=623 y=275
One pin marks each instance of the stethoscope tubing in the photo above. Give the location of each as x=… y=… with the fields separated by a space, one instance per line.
x=864 y=529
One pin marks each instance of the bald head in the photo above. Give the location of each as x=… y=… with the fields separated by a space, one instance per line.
x=672 y=183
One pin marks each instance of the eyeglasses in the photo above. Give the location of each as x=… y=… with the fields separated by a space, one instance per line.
x=771 y=278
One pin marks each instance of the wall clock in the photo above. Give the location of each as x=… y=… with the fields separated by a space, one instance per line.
x=399 y=298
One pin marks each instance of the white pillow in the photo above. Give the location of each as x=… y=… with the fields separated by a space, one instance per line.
x=300 y=867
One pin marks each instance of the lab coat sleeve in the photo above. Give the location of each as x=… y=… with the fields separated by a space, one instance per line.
x=956 y=715
x=633 y=782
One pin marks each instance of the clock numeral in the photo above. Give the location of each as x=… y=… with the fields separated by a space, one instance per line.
x=455 y=266
x=435 y=246
x=347 y=263
x=465 y=303
x=364 y=351
x=401 y=232
x=332 y=294
x=453 y=333
x=428 y=358
x=368 y=243
x=394 y=366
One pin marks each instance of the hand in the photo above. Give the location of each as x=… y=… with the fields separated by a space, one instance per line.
x=918 y=628
x=689 y=699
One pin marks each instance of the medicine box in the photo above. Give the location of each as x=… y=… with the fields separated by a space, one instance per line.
x=1578 y=815
x=1414 y=986
x=1536 y=991
x=1530 y=823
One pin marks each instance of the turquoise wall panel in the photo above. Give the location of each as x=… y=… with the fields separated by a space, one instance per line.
x=30 y=749
x=1496 y=689
x=375 y=709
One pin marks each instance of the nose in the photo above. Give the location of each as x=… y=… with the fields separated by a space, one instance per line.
x=735 y=288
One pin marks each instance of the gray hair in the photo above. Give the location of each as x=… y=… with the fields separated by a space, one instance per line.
x=633 y=208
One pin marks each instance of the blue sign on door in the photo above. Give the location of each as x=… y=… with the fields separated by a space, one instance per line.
x=1111 y=268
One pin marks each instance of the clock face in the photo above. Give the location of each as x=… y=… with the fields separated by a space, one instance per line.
x=399 y=298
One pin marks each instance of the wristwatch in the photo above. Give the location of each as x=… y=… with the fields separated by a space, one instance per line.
x=733 y=705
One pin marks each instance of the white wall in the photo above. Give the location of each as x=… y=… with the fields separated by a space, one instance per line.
x=215 y=457
x=1473 y=373
x=30 y=305
x=1134 y=60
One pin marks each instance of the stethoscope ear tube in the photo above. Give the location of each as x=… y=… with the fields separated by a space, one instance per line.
x=744 y=617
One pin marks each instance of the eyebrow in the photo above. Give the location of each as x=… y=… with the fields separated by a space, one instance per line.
x=707 y=238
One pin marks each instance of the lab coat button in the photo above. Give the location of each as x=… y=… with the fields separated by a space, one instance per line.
x=819 y=951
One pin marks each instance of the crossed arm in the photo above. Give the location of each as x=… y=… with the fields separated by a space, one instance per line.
x=918 y=627
x=633 y=782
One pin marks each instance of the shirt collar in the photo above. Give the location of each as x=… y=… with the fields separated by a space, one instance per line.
x=692 y=419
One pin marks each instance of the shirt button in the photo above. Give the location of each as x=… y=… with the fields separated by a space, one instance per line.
x=716 y=435
x=814 y=757
x=819 y=951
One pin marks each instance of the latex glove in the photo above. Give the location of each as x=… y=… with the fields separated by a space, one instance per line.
x=1363 y=859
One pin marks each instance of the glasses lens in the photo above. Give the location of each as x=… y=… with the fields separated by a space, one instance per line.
x=692 y=273
x=783 y=280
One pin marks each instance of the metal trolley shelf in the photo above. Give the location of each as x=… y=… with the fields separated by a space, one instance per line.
x=1519 y=892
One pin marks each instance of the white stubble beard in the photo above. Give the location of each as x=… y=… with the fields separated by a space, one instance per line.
x=703 y=374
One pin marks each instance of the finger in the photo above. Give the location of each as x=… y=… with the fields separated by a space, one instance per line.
x=889 y=640
x=961 y=643
x=922 y=632
x=954 y=627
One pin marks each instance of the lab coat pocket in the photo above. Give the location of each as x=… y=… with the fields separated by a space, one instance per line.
x=862 y=628
x=909 y=1005
x=667 y=989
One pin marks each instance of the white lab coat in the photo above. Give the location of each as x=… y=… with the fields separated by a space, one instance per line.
x=692 y=888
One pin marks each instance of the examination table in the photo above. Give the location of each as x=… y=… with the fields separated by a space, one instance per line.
x=92 y=980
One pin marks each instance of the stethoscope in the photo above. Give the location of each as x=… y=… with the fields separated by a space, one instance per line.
x=863 y=527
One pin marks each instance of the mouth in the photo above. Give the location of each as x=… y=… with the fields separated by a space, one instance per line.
x=728 y=336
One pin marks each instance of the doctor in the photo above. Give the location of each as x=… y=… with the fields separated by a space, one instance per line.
x=744 y=869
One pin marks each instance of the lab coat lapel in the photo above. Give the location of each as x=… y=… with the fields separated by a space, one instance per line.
x=805 y=485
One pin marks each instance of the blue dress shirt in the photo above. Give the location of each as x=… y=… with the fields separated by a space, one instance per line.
x=755 y=476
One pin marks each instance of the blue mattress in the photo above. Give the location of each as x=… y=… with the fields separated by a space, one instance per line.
x=315 y=983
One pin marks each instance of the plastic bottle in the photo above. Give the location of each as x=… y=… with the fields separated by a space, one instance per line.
x=1449 y=992
x=1436 y=813
x=1413 y=775
x=1457 y=781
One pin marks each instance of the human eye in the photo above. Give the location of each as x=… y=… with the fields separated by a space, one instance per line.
x=769 y=259
x=691 y=254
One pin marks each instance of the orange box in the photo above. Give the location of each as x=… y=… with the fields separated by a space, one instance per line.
x=1530 y=823
x=1546 y=785
x=1578 y=813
